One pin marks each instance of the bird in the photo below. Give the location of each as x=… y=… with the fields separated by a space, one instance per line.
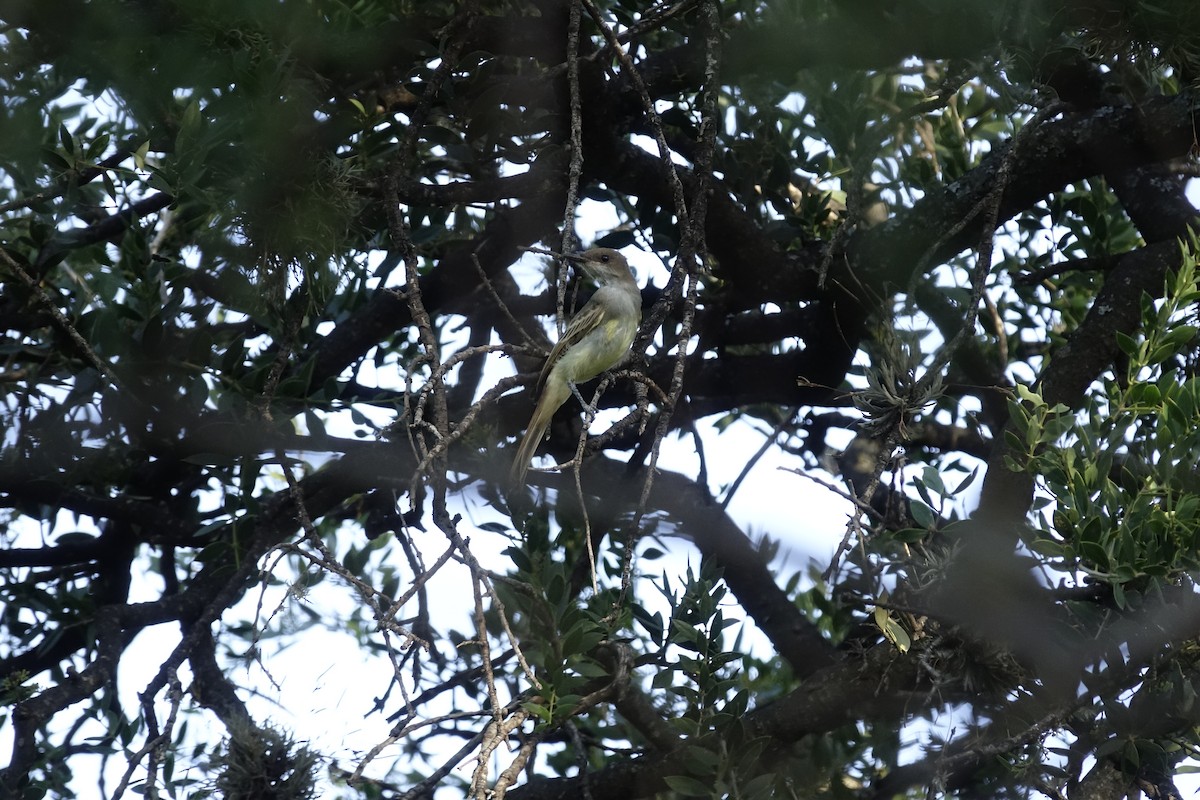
x=597 y=338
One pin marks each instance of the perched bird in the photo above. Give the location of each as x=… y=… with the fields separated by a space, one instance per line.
x=597 y=338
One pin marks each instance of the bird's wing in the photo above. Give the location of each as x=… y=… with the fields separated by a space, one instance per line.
x=583 y=323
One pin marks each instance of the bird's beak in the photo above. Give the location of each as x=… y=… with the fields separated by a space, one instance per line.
x=581 y=264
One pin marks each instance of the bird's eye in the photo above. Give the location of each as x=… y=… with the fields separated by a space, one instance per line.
x=605 y=258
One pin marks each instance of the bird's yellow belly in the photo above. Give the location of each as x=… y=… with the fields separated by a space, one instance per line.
x=596 y=352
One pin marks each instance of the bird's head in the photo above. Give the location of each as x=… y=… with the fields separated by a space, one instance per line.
x=603 y=265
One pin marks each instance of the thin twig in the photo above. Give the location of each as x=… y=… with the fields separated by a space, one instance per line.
x=156 y=741
x=655 y=17
x=766 y=445
x=630 y=70
x=486 y=282
x=849 y=496
x=589 y=413
x=479 y=779
x=693 y=250
x=61 y=320
x=423 y=788
x=575 y=170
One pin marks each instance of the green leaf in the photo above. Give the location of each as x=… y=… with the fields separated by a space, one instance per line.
x=1028 y=395
x=1180 y=335
x=1129 y=346
x=933 y=479
x=687 y=786
x=923 y=514
x=65 y=139
x=1048 y=548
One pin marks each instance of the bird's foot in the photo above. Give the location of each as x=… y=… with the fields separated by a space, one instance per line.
x=588 y=408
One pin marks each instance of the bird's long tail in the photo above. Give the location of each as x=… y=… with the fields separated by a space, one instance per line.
x=554 y=394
